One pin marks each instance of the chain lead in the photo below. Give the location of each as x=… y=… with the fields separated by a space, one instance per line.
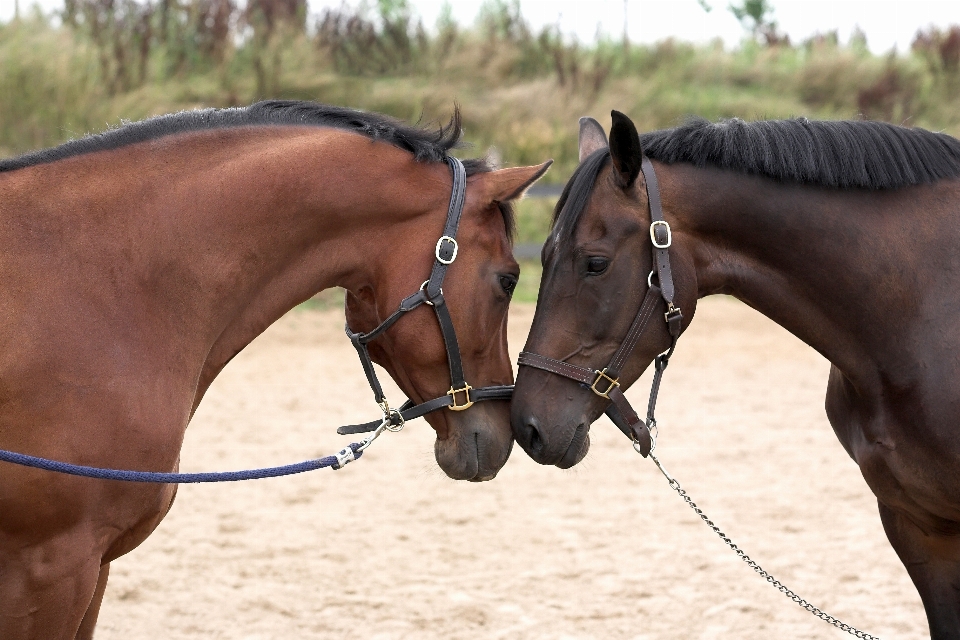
x=826 y=617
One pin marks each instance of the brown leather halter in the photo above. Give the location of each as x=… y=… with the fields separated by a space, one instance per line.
x=606 y=382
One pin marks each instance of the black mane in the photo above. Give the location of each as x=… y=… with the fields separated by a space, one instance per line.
x=833 y=154
x=430 y=145
x=426 y=145
x=837 y=154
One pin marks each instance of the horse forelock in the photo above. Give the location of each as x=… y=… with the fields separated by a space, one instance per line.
x=576 y=194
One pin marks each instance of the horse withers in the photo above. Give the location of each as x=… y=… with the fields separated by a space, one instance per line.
x=845 y=233
x=136 y=263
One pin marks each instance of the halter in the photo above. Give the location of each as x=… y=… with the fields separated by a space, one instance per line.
x=606 y=382
x=461 y=395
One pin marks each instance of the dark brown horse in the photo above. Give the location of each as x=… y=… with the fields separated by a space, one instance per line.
x=137 y=263
x=845 y=233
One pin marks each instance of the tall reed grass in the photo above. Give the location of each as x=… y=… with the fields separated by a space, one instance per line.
x=100 y=62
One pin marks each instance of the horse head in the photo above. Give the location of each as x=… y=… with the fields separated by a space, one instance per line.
x=473 y=440
x=595 y=275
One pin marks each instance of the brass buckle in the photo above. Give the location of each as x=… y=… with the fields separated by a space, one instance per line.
x=453 y=394
x=612 y=382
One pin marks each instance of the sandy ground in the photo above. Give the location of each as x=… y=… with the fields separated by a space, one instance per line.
x=391 y=548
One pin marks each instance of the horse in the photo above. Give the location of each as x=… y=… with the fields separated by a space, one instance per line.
x=139 y=261
x=844 y=233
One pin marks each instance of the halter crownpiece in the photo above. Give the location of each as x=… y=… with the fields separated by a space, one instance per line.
x=606 y=382
x=461 y=395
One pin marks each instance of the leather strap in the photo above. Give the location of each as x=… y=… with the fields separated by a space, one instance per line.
x=659 y=231
x=565 y=369
x=638 y=431
x=411 y=411
x=446 y=251
x=640 y=322
x=450 y=342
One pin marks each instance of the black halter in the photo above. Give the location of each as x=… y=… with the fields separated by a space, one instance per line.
x=461 y=395
x=605 y=382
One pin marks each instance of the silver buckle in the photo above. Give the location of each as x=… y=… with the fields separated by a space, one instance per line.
x=456 y=248
x=653 y=234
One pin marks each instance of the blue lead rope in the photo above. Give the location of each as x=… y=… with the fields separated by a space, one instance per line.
x=347 y=454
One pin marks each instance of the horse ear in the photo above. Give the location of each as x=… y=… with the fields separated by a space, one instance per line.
x=592 y=137
x=625 y=151
x=512 y=183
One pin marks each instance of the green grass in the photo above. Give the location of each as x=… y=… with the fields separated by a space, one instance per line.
x=533 y=219
x=529 y=284
x=57 y=83
x=326 y=299
x=520 y=92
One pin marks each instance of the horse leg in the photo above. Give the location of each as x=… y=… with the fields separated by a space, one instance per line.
x=933 y=562
x=90 y=617
x=47 y=588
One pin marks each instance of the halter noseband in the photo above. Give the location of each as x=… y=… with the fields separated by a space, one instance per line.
x=606 y=382
x=461 y=395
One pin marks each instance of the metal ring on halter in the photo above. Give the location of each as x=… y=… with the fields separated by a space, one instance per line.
x=423 y=286
x=649 y=279
x=652 y=430
x=388 y=421
x=456 y=248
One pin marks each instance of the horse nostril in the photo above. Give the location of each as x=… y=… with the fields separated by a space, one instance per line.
x=534 y=441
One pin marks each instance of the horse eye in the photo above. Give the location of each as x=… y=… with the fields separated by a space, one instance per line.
x=596 y=266
x=508 y=284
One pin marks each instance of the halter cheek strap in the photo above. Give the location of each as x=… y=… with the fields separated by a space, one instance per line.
x=606 y=382
x=461 y=395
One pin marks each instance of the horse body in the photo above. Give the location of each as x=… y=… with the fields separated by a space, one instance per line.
x=850 y=273
x=870 y=278
x=132 y=275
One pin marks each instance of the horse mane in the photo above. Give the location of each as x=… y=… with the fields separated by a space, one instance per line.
x=426 y=145
x=832 y=154
x=430 y=145
x=835 y=154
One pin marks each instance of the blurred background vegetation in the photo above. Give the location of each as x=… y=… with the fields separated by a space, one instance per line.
x=98 y=63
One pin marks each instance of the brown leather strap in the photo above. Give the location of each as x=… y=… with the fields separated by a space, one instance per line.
x=565 y=369
x=659 y=232
x=647 y=307
x=638 y=429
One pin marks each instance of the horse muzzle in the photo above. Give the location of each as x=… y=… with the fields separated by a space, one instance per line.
x=478 y=442
x=559 y=446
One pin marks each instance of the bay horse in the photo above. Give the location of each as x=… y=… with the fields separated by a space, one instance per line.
x=136 y=263
x=847 y=234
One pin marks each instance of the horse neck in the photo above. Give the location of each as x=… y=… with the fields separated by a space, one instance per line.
x=233 y=228
x=841 y=269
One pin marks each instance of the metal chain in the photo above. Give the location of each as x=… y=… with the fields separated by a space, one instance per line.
x=843 y=626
